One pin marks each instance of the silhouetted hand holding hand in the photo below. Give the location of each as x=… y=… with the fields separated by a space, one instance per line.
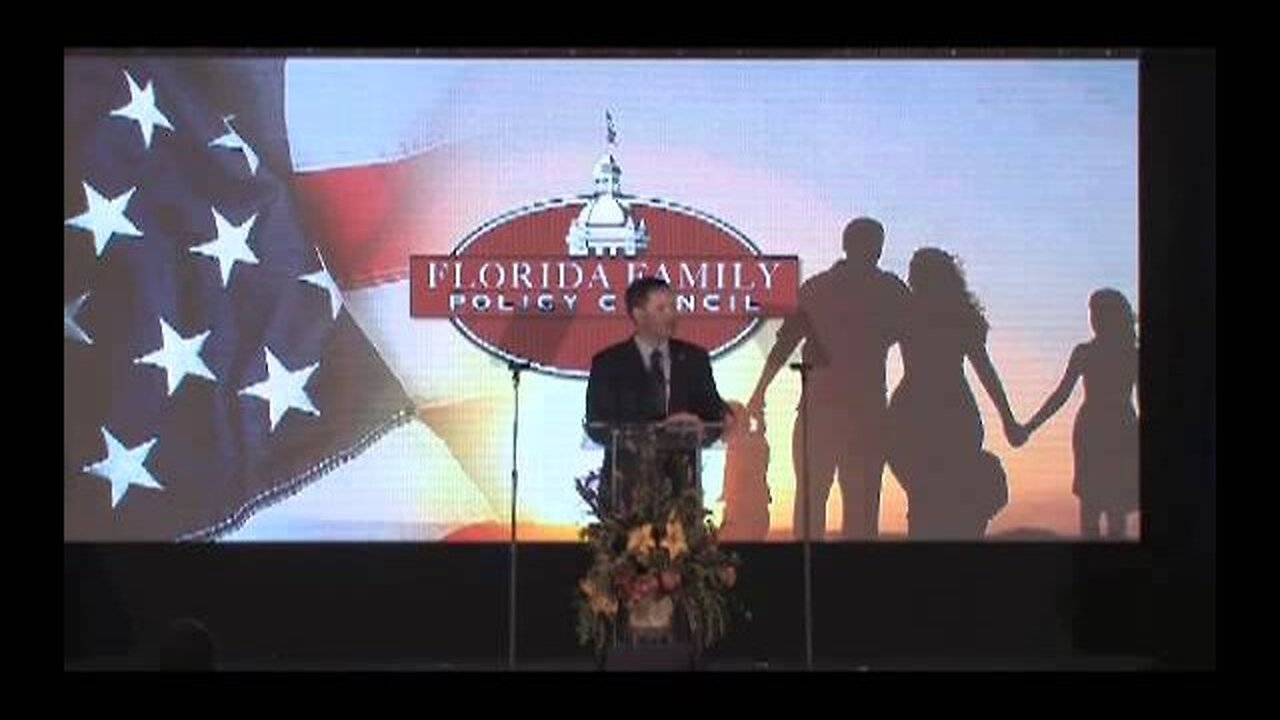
x=1017 y=434
x=755 y=408
x=731 y=418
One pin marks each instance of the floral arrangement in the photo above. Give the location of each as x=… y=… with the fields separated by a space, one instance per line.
x=655 y=563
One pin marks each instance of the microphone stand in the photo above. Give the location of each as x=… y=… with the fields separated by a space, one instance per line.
x=803 y=368
x=516 y=368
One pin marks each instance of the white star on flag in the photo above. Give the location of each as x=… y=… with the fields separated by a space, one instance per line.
x=179 y=356
x=105 y=217
x=323 y=280
x=230 y=246
x=70 y=328
x=142 y=109
x=233 y=141
x=283 y=389
x=123 y=467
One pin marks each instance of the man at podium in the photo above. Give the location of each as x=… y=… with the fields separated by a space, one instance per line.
x=652 y=377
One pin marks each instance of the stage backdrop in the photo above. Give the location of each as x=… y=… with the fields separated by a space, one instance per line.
x=293 y=285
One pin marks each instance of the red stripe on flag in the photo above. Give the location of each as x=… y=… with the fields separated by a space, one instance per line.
x=369 y=219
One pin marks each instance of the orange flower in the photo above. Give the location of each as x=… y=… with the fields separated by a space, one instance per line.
x=674 y=542
x=640 y=540
x=601 y=601
x=604 y=605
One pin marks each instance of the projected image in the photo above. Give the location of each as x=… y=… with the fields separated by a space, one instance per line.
x=295 y=290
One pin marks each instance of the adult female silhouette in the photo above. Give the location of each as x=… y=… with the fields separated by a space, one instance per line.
x=953 y=487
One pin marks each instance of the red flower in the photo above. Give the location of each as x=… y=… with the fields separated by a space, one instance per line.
x=623 y=579
x=644 y=586
x=670 y=580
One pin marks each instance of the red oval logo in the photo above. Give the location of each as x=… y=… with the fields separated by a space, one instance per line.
x=544 y=284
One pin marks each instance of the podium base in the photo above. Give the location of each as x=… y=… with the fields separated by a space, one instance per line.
x=666 y=657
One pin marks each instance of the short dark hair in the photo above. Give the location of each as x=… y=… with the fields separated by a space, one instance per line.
x=864 y=240
x=640 y=289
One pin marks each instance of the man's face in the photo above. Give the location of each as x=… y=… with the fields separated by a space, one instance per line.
x=656 y=316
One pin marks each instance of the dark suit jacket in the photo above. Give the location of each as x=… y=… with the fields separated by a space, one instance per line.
x=621 y=390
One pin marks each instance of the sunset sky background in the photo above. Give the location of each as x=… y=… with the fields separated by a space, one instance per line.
x=1027 y=170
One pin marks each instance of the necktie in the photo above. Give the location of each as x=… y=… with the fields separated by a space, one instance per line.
x=659 y=378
